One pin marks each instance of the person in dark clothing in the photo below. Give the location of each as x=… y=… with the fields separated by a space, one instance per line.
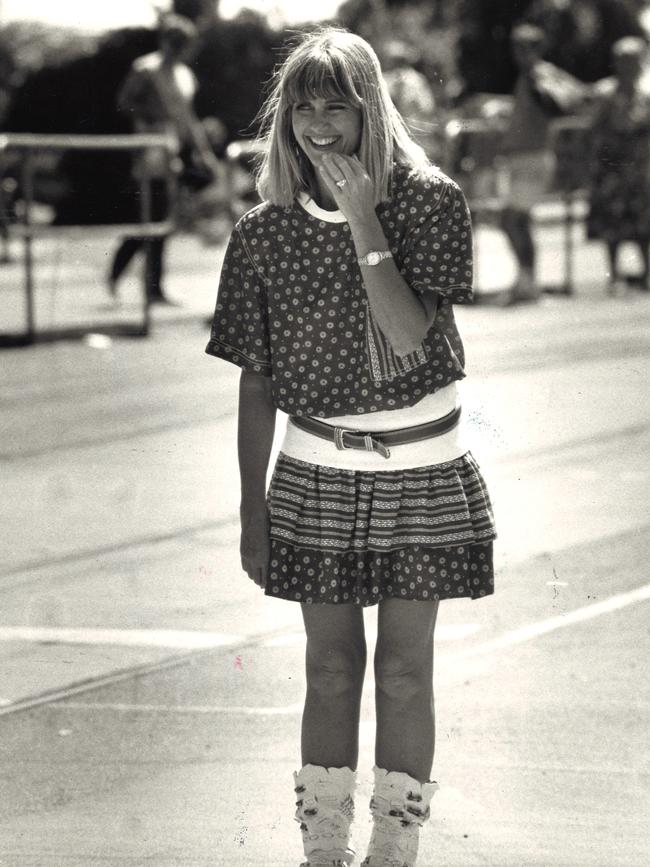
x=542 y=92
x=158 y=93
x=619 y=193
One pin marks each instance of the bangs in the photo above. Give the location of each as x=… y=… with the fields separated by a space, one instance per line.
x=323 y=75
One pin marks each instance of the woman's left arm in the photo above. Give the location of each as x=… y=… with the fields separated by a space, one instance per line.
x=403 y=316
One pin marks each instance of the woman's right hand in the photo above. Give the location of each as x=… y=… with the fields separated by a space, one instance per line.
x=255 y=543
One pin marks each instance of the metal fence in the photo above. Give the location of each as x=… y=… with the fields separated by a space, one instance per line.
x=25 y=148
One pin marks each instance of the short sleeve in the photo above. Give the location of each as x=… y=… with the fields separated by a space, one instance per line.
x=240 y=326
x=438 y=251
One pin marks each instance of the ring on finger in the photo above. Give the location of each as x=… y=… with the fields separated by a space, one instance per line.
x=340 y=184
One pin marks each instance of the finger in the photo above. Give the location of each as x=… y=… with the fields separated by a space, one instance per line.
x=329 y=174
x=255 y=573
x=249 y=568
x=331 y=185
x=346 y=167
x=341 y=168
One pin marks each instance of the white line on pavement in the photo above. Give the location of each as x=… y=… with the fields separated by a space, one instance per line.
x=178 y=639
x=189 y=708
x=542 y=627
x=508 y=639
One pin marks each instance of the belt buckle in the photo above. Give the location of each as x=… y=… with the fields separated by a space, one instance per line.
x=370 y=444
x=338 y=438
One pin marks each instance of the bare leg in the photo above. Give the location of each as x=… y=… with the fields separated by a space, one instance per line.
x=122 y=257
x=404 y=687
x=644 y=249
x=516 y=224
x=335 y=665
x=612 y=255
x=615 y=285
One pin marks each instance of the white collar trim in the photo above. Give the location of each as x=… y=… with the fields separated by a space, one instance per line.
x=320 y=213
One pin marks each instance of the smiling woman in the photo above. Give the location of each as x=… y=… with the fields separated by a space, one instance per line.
x=335 y=300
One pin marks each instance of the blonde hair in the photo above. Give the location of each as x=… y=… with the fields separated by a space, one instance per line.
x=331 y=62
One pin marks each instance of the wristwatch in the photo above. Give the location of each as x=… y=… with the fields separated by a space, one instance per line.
x=374 y=257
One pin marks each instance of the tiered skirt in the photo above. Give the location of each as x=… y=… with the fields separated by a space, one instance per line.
x=356 y=536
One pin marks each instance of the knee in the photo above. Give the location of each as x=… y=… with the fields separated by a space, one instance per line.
x=508 y=220
x=336 y=672
x=514 y=219
x=403 y=679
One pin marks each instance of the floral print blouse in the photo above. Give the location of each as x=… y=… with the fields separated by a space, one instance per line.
x=291 y=302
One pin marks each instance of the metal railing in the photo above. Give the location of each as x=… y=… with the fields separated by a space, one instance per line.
x=28 y=146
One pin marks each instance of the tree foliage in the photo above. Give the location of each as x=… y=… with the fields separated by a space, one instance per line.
x=580 y=34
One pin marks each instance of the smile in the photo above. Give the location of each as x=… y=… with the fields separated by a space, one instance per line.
x=323 y=142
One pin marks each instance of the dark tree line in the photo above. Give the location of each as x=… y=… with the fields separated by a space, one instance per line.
x=580 y=34
x=234 y=59
x=231 y=61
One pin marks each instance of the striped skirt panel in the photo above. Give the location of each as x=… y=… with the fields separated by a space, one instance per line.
x=329 y=509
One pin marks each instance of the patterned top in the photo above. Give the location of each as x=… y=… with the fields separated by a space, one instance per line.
x=292 y=304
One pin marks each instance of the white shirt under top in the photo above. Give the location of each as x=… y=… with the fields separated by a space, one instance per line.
x=437 y=450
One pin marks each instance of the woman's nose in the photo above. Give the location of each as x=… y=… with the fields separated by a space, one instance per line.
x=319 y=119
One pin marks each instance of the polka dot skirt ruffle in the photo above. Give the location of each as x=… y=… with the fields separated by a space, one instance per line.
x=365 y=578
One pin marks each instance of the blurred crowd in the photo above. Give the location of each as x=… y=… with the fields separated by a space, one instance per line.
x=562 y=128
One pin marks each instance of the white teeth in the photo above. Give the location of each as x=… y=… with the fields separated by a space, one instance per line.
x=321 y=142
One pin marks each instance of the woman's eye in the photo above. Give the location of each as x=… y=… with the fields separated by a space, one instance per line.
x=302 y=106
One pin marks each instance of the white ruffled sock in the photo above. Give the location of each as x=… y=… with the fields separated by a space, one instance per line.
x=400 y=805
x=325 y=810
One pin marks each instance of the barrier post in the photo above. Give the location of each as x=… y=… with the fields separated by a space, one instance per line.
x=568 y=243
x=28 y=244
x=145 y=218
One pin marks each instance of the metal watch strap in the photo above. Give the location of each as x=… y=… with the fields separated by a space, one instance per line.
x=374 y=257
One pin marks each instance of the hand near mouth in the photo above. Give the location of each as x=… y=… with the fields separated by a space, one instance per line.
x=356 y=197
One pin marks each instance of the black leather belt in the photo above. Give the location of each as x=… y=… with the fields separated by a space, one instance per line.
x=377 y=441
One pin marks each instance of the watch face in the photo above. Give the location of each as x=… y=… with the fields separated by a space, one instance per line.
x=374 y=258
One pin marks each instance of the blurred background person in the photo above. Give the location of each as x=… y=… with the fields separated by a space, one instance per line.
x=158 y=94
x=542 y=91
x=410 y=91
x=620 y=178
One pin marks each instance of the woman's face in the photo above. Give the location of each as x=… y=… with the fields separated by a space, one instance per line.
x=326 y=125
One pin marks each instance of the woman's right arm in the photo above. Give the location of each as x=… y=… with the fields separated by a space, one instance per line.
x=256 y=426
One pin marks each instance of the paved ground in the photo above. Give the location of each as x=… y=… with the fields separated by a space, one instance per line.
x=151 y=696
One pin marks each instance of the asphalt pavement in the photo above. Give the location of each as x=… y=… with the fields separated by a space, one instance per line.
x=150 y=695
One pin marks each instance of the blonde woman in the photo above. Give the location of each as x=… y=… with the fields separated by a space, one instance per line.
x=336 y=299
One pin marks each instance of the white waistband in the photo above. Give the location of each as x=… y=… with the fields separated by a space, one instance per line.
x=437 y=450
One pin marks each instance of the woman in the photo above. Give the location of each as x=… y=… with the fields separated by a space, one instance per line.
x=620 y=185
x=542 y=92
x=335 y=300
